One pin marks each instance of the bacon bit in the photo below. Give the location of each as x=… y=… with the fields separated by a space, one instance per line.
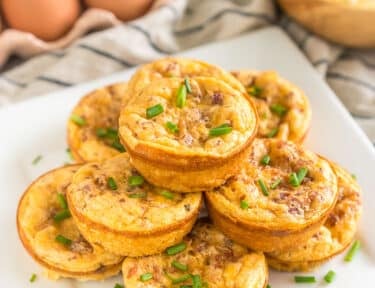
x=100 y=180
x=132 y=271
x=294 y=210
x=187 y=207
x=188 y=139
x=333 y=219
x=217 y=98
x=81 y=246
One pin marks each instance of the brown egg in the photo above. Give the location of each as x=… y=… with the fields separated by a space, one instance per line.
x=123 y=9
x=46 y=19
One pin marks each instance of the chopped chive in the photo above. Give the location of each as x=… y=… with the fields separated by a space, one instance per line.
x=62 y=201
x=180 y=279
x=263 y=187
x=354 y=176
x=154 y=111
x=220 y=130
x=32 y=278
x=145 y=277
x=197 y=282
x=244 y=205
x=301 y=174
x=268 y=286
x=62 y=215
x=138 y=195
x=179 y=266
x=37 y=159
x=101 y=132
x=112 y=183
x=254 y=90
x=111 y=133
x=265 y=160
x=173 y=250
x=181 y=96
x=63 y=240
x=304 y=279
x=69 y=152
x=187 y=84
x=273 y=132
x=118 y=286
x=330 y=276
x=167 y=194
x=118 y=146
x=275 y=184
x=353 y=250
x=78 y=120
x=135 y=180
x=279 y=109
x=293 y=179
x=172 y=127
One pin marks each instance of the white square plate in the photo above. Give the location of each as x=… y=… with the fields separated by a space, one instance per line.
x=37 y=127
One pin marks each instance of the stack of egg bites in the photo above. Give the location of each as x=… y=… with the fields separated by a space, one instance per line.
x=152 y=151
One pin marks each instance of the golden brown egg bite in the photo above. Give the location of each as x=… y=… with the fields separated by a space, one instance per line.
x=114 y=207
x=333 y=237
x=171 y=67
x=205 y=258
x=282 y=197
x=188 y=135
x=92 y=127
x=50 y=235
x=284 y=110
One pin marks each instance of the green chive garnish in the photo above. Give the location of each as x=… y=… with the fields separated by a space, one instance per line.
x=138 y=195
x=296 y=178
x=32 y=278
x=353 y=250
x=275 y=184
x=279 y=109
x=220 y=130
x=167 y=194
x=179 y=266
x=330 y=276
x=112 y=183
x=301 y=174
x=197 y=282
x=135 y=180
x=69 y=152
x=63 y=240
x=273 y=132
x=354 y=176
x=181 y=96
x=154 y=111
x=37 y=159
x=118 y=286
x=62 y=215
x=62 y=201
x=187 y=84
x=304 y=279
x=263 y=187
x=254 y=90
x=173 y=250
x=171 y=127
x=118 y=146
x=244 y=205
x=101 y=132
x=269 y=286
x=265 y=160
x=78 y=120
x=145 y=277
x=180 y=279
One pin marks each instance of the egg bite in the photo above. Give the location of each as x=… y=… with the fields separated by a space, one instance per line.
x=92 y=129
x=115 y=208
x=333 y=237
x=50 y=236
x=281 y=197
x=171 y=67
x=205 y=258
x=284 y=110
x=188 y=135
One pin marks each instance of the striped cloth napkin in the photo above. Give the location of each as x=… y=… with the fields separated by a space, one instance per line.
x=181 y=24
